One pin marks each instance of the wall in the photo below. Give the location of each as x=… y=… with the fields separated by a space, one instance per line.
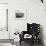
x=3 y=1
x=35 y=13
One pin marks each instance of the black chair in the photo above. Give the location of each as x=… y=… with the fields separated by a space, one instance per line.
x=32 y=29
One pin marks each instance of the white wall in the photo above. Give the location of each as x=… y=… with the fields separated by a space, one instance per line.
x=35 y=13
x=3 y=1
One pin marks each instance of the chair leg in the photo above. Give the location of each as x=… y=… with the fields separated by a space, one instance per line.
x=32 y=42
x=20 y=42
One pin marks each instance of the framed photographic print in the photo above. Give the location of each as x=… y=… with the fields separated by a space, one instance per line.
x=20 y=13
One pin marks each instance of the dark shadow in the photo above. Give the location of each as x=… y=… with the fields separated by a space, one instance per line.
x=41 y=35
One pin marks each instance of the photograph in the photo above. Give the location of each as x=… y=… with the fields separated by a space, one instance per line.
x=21 y=14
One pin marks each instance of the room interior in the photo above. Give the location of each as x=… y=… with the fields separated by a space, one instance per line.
x=12 y=23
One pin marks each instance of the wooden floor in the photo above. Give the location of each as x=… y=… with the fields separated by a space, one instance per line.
x=27 y=44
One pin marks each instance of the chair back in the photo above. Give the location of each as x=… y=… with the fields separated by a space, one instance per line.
x=33 y=28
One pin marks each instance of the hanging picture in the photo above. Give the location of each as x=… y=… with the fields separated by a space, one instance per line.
x=21 y=13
